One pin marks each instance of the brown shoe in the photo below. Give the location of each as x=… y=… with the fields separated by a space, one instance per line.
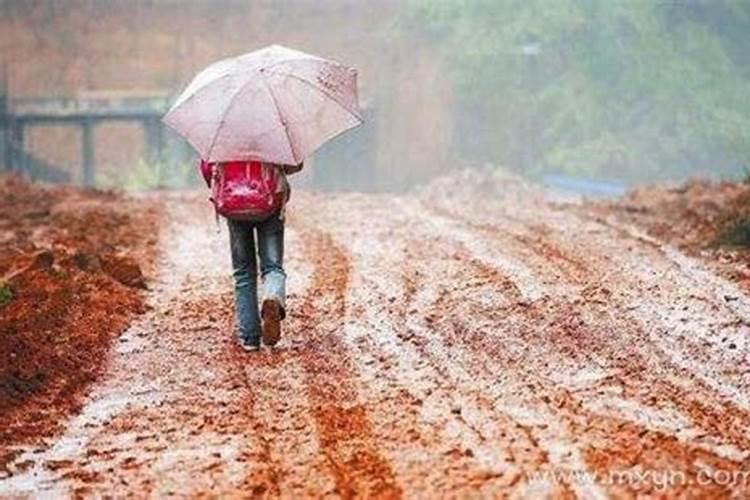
x=270 y=314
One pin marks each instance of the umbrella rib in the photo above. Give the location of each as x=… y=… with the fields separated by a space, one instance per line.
x=292 y=75
x=224 y=117
x=195 y=93
x=281 y=118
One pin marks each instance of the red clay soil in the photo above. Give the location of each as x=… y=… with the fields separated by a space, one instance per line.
x=700 y=217
x=473 y=340
x=70 y=280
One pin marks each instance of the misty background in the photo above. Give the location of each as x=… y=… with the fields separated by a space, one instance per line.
x=626 y=90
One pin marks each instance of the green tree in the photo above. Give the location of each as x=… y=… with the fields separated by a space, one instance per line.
x=627 y=88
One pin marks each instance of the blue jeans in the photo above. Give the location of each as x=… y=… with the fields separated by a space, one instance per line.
x=270 y=251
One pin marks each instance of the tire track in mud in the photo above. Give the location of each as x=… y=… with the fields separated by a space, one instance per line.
x=343 y=425
x=398 y=386
x=679 y=396
x=595 y=280
x=526 y=429
x=476 y=377
x=721 y=423
x=498 y=451
x=633 y=371
x=455 y=442
x=483 y=348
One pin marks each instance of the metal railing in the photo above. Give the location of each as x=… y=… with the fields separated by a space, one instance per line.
x=90 y=105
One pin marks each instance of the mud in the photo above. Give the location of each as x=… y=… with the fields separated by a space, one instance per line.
x=71 y=267
x=705 y=219
x=481 y=341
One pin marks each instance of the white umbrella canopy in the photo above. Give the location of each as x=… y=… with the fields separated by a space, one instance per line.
x=275 y=104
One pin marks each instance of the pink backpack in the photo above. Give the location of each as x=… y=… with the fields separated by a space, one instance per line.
x=245 y=190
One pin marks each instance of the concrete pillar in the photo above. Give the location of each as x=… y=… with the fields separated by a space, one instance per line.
x=4 y=120
x=87 y=152
x=7 y=153
x=17 y=145
x=5 y=133
x=153 y=132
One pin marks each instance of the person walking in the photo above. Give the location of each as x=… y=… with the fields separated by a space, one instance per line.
x=252 y=196
x=253 y=119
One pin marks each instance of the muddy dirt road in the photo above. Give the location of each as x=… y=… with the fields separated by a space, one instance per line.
x=434 y=347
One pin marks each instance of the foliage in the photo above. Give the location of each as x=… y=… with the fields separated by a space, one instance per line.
x=627 y=88
x=163 y=173
x=6 y=294
x=737 y=234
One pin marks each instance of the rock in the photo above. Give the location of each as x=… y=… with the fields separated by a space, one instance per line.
x=125 y=270
x=43 y=259
x=86 y=262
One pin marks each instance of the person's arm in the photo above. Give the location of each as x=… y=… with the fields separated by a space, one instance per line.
x=292 y=169
x=206 y=170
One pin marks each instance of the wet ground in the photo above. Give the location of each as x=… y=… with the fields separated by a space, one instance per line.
x=72 y=279
x=436 y=345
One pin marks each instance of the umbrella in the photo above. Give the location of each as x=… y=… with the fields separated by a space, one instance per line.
x=274 y=104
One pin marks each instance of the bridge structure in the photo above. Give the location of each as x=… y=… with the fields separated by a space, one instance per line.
x=85 y=110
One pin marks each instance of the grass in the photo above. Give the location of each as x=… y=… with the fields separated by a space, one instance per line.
x=737 y=234
x=6 y=294
x=746 y=174
x=159 y=174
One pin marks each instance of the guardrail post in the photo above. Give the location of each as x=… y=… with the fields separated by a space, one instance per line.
x=154 y=132
x=5 y=146
x=5 y=134
x=87 y=152
x=17 y=145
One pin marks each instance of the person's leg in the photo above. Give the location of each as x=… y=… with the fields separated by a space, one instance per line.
x=271 y=254
x=244 y=271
